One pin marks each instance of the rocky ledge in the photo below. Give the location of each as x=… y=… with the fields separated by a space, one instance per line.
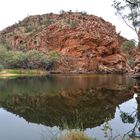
x=86 y=43
x=136 y=69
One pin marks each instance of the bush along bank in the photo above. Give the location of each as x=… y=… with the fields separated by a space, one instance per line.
x=31 y=59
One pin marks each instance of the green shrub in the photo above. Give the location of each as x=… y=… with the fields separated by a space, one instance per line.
x=48 y=22
x=131 y=61
x=4 y=55
x=28 y=29
x=128 y=45
x=32 y=59
x=18 y=59
x=36 y=59
x=53 y=56
x=3 y=43
x=72 y=23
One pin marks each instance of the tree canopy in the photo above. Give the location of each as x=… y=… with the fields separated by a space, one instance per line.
x=129 y=11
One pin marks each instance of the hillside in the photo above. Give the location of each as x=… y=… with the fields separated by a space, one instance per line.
x=84 y=43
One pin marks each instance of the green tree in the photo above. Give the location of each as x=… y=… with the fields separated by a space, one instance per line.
x=129 y=11
x=31 y=59
x=127 y=46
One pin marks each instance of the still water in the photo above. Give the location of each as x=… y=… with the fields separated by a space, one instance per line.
x=39 y=108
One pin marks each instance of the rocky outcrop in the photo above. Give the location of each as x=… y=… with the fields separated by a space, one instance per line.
x=136 y=71
x=86 y=43
x=121 y=40
x=137 y=65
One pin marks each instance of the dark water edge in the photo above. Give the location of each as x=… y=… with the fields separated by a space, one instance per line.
x=36 y=108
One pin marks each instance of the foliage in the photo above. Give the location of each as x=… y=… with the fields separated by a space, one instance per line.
x=129 y=11
x=132 y=118
x=131 y=62
x=107 y=129
x=72 y=23
x=29 y=29
x=3 y=55
x=3 y=43
x=128 y=45
x=53 y=55
x=48 y=22
x=32 y=59
x=127 y=118
x=36 y=59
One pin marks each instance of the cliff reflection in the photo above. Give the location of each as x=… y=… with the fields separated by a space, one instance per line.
x=83 y=108
x=58 y=83
x=83 y=101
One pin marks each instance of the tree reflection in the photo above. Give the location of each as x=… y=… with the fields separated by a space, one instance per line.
x=133 y=117
x=127 y=117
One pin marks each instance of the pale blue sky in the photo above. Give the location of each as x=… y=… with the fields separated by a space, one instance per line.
x=11 y=11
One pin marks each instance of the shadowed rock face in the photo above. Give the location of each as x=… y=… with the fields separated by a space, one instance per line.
x=82 y=108
x=86 y=43
x=136 y=67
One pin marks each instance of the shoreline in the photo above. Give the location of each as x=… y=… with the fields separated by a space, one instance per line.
x=5 y=73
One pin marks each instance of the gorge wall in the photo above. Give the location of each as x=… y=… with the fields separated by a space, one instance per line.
x=85 y=43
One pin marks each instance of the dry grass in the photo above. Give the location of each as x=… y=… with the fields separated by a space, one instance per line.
x=21 y=72
x=74 y=135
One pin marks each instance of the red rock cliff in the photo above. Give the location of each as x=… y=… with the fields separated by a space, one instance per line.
x=86 y=43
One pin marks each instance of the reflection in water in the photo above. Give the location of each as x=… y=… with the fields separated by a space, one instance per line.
x=134 y=117
x=71 y=108
x=54 y=84
x=84 y=101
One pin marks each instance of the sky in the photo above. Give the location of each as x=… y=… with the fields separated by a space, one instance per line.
x=11 y=11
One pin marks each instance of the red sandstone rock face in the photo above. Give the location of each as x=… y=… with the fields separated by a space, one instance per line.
x=86 y=43
x=137 y=64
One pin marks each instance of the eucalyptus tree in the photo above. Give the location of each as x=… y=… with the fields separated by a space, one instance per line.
x=129 y=11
